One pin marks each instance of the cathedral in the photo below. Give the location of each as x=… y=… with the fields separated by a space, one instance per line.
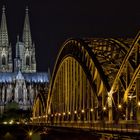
x=19 y=80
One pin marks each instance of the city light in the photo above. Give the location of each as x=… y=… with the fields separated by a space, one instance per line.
x=139 y=103
x=119 y=106
x=69 y=113
x=64 y=113
x=5 y=122
x=91 y=109
x=83 y=111
x=30 y=133
x=17 y=122
x=104 y=108
x=75 y=112
x=11 y=122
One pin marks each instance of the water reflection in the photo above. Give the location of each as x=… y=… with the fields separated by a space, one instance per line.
x=51 y=135
x=68 y=136
x=8 y=136
x=57 y=135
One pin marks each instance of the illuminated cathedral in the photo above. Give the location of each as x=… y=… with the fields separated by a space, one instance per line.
x=19 y=80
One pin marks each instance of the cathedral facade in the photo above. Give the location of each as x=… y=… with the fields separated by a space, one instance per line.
x=19 y=80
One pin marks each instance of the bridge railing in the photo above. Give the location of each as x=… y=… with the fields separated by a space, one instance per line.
x=97 y=126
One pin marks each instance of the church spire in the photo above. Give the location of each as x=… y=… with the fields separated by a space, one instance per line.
x=3 y=30
x=26 y=31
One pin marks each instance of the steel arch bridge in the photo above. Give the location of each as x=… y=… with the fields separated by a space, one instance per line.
x=96 y=79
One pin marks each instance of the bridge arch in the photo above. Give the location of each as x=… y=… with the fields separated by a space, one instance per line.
x=82 y=79
x=39 y=108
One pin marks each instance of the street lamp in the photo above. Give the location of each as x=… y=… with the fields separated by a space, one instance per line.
x=104 y=108
x=30 y=133
x=139 y=104
x=91 y=109
x=119 y=106
x=83 y=111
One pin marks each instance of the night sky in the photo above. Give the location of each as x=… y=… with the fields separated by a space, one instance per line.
x=54 y=21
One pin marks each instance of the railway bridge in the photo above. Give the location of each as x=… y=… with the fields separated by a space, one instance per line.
x=95 y=85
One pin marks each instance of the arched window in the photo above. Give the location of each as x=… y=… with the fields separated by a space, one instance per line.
x=27 y=61
x=32 y=59
x=3 y=60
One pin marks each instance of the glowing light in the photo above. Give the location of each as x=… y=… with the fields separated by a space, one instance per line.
x=17 y=122
x=75 y=112
x=5 y=123
x=104 y=108
x=119 y=106
x=64 y=113
x=91 y=109
x=83 y=111
x=30 y=133
x=11 y=122
x=59 y=114
x=69 y=113
x=139 y=103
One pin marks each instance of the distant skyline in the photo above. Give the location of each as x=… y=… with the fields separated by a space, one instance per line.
x=52 y=22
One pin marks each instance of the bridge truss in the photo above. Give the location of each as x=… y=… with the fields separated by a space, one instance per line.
x=95 y=79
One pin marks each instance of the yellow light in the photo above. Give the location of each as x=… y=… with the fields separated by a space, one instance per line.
x=69 y=113
x=59 y=114
x=5 y=123
x=139 y=103
x=30 y=133
x=64 y=113
x=91 y=109
x=75 y=112
x=17 y=122
x=11 y=122
x=83 y=111
x=119 y=106
x=104 y=108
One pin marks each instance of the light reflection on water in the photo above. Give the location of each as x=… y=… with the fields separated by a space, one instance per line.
x=54 y=135
x=48 y=136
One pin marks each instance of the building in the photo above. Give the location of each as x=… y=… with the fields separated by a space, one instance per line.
x=19 y=80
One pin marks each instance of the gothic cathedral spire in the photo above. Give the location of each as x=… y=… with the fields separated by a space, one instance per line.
x=5 y=49
x=26 y=31
x=3 y=30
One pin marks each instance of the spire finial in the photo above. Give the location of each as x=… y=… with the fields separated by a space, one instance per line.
x=3 y=9
x=17 y=38
x=27 y=9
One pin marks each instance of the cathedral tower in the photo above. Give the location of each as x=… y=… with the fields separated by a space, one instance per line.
x=6 y=64
x=29 y=61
